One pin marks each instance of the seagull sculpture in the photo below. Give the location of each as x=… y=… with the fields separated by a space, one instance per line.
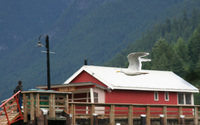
x=135 y=63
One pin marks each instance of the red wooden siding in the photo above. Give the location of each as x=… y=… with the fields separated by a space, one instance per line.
x=85 y=77
x=139 y=97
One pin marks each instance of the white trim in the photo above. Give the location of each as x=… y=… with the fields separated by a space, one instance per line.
x=156 y=94
x=184 y=98
x=91 y=95
x=167 y=95
x=192 y=98
x=154 y=89
x=72 y=97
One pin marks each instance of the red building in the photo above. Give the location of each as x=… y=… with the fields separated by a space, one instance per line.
x=99 y=84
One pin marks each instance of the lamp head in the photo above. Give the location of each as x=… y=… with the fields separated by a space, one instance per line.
x=39 y=44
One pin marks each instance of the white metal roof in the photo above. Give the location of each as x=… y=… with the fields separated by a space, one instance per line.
x=153 y=81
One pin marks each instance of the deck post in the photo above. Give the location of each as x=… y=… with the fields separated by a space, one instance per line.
x=91 y=114
x=196 y=120
x=37 y=105
x=180 y=112
x=67 y=103
x=32 y=109
x=95 y=119
x=72 y=111
x=161 y=119
x=182 y=119
x=52 y=105
x=25 y=108
x=112 y=115
x=165 y=115
x=143 y=119
x=148 y=119
x=130 y=115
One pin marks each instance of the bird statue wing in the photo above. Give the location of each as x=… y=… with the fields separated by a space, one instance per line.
x=135 y=60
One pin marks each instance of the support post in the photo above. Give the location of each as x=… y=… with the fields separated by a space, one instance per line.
x=112 y=115
x=32 y=107
x=143 y=119
x=165 y=115
x=25 y=108
x=179 y=114
x=37 y=105
x=52 y=105
x=67 y=103
x=196 y=120
x=95 y=119
x=148 y=119
x=72 y=111
x=91 y=114
x=182 y=119
x=161 y=119
x=130 y=115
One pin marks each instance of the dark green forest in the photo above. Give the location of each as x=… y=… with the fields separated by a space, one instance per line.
x=88 y=29
x=96 y=30
x=173 y=46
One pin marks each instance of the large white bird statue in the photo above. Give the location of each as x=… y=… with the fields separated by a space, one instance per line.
x=135 y=63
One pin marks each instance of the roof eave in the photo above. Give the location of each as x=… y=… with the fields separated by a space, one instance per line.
x=159 y=89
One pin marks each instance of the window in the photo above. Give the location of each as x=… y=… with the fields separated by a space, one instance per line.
x=188 y=98
x=166 y=96
x=96 y=97
x=156 y=97
x=185 y=98
x=180 y=98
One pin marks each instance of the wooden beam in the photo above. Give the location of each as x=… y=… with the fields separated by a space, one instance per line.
x=130 y=115
x=32 y=108
x=148 y=119
x=196 y=119
x=25 y=108
x=73 y=115
x=37 y=105
x=91 y=95
x=67 y=103
x=92 y=110
x=165 y=115
x=52 y=105
x=112 y=115
x=180 y=112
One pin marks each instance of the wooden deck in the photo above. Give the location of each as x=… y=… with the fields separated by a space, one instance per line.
x=56 y=103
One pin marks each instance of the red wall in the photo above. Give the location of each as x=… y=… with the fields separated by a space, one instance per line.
x=139 y=97
x=85 y=77
x=128 y=96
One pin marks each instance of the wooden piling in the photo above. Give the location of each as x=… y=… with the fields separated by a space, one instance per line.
x=130 y=115
x=112 y=115
x=32 y=108
x=148 y=120
x=25 y=108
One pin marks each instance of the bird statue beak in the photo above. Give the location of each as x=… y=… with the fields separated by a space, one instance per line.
x=118 y=71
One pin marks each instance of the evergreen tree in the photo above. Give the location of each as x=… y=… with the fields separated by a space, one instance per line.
x=194 y=46
x=160 y=55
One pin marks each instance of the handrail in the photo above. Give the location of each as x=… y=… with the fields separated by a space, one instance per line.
x=10 y=98
x=3 y=108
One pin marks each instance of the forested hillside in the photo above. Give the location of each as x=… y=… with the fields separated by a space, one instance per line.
x=88 y=29
x=173 y=46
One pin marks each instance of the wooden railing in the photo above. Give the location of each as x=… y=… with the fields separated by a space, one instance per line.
x=134 y=111
x=54 y=101
x=8 y=110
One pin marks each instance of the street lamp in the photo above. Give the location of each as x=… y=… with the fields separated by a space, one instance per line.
x=48 y=58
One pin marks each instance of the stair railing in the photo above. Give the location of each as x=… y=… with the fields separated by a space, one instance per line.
x=8 y=107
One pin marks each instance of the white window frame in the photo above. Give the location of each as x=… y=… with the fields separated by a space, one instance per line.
x=167 y=95
x=184 y=98
x=156 y=96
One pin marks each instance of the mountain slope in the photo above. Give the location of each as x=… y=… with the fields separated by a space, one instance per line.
x=92 y=29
